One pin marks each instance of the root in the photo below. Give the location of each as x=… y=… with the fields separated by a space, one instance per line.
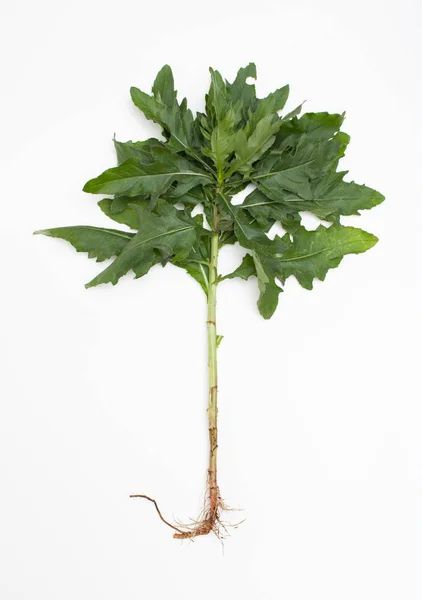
x=157 y=509
x=208 y=521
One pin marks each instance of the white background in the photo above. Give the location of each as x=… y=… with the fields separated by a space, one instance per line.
x=104 y=391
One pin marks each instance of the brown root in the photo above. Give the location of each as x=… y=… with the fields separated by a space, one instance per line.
x=209 y=519
x=157 y=509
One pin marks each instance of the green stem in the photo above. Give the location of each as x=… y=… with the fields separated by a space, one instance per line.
x=212 y=371
x=214 y=504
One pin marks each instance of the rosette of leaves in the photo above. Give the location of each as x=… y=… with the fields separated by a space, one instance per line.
x=292 y=163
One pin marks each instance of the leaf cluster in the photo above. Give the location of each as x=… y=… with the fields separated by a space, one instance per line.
x=290 y=160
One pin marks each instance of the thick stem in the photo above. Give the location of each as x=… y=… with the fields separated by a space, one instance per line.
x=212 y=378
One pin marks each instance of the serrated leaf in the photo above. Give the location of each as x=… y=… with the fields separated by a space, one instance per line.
x=313 y=253
x=266 y=211
x=251 y=236
x=245 y=270
x=273 y=102
x=260 y=265
x=239 y=139
x=98 y=242
x=132 y=178
x=198 y=270
x=269 y=291
x=293 y=113
x=293 y=171
x=222 y=143
x=144 y=151
x=333 y=197
x=242 y=92
x=197 y=262
x=163 y=108
x=247 y=231
x=250 y=149
x=224 y=113
x=316 y=126
x=270 y=105
x=170 y=233
x=121 y=210
x=229 y=105
x=217 y=99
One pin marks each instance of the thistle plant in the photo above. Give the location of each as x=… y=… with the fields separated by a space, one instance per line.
x=290 y=161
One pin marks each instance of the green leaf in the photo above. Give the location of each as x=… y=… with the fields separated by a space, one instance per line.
x=163 y=88
x=98 y=242
x=251 y=236
x=313 y=253
x=274 y=101
x=245 y=270
x=247 y=231
x=163 y=108
x=293 y=113
x=333 y=197
x=222 y=142
x=239 y=123
x=238 y=139
x=146 y=152
x=250 y=149
x=266 y=212
x=229 y=105
x=198 y=260
x=242 y=92
x=268 y=106
x=217 y=100
x=317 y=126
x=269 y=291
x=260 y=265
x=198 y=270
x=132 y=178
x=238 y=96
x=224 y=113
x=294 y=171
x=121 y=210
x=170 y=233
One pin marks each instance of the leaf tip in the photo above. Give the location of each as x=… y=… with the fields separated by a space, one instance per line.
x=266 y=316
x=88 y=186
x=372 y=240
x=252 y=70
x=134 y=92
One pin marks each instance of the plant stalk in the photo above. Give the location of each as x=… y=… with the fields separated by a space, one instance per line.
x=210 y=521
x=214 y=496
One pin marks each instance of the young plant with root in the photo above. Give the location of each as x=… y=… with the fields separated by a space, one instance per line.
x=239 y=140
